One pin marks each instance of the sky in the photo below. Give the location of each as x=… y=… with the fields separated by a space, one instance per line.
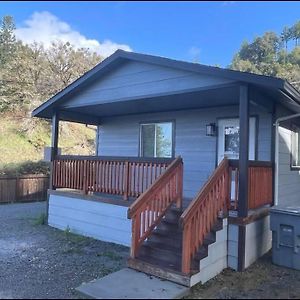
x=207 y=32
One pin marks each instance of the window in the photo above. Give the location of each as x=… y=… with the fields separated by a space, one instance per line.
x=156 y=139
x=295 y=147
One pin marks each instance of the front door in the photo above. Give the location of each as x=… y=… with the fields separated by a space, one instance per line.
x=228 y=139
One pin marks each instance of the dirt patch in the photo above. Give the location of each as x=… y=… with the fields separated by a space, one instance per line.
x=262 y=280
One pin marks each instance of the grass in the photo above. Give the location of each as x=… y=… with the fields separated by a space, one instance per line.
x=19 y=145
x=111 y=255
x=40 y=220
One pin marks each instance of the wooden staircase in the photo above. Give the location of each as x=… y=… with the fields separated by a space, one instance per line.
x=169 y=241
x=161 y=254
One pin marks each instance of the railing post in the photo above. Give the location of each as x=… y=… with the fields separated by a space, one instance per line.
x=186 y=255
x=126 y=180
x=180 y=186
x=136 y=234
x=85 y=184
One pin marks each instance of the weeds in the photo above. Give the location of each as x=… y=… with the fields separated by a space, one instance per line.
x=40 y=220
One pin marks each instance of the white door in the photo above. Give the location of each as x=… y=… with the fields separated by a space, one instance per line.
x=228 y=139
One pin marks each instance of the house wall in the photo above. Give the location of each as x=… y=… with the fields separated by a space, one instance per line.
x=119 y=136
x=136 y=79
x=103 y=221
x=288 y=180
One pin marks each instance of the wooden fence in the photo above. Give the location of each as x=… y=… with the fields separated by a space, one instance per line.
x=23 y=188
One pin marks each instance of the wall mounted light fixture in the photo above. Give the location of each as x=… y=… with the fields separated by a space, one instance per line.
x=211 y=129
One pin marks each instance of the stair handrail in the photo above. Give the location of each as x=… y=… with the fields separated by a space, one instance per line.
x=149 y=208
x=202 y=213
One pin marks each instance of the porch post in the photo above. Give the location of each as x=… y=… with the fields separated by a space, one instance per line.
x=243 y=172
x=54 y=142
x=244 y=152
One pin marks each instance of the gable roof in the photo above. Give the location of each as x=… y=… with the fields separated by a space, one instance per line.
x=120 y=55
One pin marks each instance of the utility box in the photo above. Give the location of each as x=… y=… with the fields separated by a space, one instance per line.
x=285 y=226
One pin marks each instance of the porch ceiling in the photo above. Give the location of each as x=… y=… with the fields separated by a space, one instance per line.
x=216 y=96
x=227 y=95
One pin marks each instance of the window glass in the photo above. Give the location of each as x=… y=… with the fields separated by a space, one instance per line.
x=232 y=140
x=156 y=140
x=148 y=136
x=296 y=147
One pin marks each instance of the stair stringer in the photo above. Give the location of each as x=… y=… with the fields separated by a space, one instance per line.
x=216 y=261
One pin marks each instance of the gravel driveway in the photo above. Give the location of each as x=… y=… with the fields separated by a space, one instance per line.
x=37 y=261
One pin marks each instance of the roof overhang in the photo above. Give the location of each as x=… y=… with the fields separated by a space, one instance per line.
x=277 y=89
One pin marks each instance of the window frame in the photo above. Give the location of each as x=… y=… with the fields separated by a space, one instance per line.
x=294 y=129
x=172 y=122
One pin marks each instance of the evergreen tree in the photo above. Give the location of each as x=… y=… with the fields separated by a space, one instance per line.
x=7 y=39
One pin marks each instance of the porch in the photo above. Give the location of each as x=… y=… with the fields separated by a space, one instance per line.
x=152 y=191
x=127 y=178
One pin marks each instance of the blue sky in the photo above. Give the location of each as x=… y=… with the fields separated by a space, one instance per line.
x=210 y=32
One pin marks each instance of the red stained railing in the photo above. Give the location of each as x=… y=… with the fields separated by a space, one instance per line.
x=147 y=211
x=201 y=215
x=260 y=183
x=125 y=176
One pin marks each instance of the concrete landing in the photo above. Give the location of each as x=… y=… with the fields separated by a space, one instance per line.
x=131 y=284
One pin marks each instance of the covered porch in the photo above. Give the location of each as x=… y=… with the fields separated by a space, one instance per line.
x=127 y=178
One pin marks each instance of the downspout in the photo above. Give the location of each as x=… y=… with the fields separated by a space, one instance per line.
x=277 y=122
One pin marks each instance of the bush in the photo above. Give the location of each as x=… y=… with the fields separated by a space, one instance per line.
x=24 y=168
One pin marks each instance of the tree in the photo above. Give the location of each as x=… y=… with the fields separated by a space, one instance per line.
x=286 y=36
x=7 y=39
x=295 y=32
x=264 y=55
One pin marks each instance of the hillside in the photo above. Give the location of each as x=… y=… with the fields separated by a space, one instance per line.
x=18 y=144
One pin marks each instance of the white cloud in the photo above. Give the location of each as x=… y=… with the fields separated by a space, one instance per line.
x=194 y=53
x=44 y=27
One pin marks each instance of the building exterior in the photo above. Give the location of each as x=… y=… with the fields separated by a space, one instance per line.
x=184 y=171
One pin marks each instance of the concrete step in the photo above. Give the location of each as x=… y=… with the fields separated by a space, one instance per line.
x=131 y=284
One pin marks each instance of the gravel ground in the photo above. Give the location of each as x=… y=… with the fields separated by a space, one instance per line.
x=262 y=280
x=37 y=261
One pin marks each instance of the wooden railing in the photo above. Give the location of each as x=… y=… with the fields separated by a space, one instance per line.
x=260 y=183
x=147 y=211
x=201 y=215
x=127 y=176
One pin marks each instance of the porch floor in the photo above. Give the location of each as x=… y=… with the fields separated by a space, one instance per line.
x=105 y=197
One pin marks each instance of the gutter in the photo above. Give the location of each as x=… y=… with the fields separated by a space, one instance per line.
x=277 y=123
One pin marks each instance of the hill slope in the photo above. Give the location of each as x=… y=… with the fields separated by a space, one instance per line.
x=18 y=144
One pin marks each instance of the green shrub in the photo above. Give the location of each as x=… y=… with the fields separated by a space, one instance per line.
x=23 y=168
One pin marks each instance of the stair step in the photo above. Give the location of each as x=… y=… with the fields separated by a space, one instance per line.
x=167 y=238
x=170 y=226
x=218 y=226
x=163 y=246
x=161 y=262
x=158 y=269
x=202 y=253
x=148 y=249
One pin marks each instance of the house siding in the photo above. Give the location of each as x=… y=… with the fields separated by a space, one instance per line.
x=288 y=180
x=136 y=79
x=119 y=136
x=103 y=221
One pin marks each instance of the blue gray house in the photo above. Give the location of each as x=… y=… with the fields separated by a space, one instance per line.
x=188 y=162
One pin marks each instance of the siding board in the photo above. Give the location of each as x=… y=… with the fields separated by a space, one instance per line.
x=134 y=79
x=120 y=136
x=288 y=180
x=98 y=220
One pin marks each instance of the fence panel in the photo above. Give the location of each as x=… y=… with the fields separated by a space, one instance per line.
x=23 y=188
